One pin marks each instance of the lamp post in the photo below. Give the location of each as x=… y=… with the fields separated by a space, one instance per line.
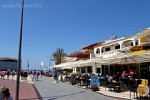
x=19 y=54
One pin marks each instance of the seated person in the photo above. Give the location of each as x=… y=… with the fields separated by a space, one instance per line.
x=124 y=74
x=110 y=78
x=131 y=73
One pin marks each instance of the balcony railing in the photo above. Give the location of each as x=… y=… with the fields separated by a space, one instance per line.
x=113 y=52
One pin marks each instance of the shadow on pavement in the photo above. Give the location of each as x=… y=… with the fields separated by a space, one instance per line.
x=61 y=96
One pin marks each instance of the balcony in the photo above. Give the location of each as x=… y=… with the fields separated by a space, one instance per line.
x=112 y=53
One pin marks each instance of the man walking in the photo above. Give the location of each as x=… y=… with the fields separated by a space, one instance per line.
x=55 y=73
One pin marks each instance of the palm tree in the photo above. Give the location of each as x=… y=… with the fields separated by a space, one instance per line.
x=59 y=56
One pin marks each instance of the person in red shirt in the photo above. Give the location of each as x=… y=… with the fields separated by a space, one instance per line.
x=25 y=75
x=123 y=74
x=131 y=73
x=3 y=73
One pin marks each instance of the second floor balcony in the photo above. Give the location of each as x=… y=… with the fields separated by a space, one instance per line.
x=112 y=53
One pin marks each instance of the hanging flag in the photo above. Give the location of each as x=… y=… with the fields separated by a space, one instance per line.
x=42 y=63
x=28 y=65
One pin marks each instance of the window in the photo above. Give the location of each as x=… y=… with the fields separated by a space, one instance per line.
x=82 y=69
x=117 y=47
x=89 y=69
x=136 y=43
x=98 y=70
x=107 y=49
x=98 y=51
x=78 y=69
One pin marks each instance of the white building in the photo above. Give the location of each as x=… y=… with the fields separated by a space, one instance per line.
x=118 y=54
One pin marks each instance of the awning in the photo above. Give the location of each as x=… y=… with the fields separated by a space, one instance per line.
x=116 y=59
x=135 y=48
x=129 y=58
x=144 y=33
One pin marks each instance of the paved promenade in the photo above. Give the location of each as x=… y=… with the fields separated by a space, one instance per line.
x=63 y=91
x=45 y=89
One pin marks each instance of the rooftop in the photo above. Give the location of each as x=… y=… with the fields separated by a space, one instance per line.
x=8 y=59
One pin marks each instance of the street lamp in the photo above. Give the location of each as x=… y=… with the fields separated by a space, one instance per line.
x=19 y=54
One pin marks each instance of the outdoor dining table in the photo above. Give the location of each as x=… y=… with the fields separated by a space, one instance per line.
x=83 y=82
x=117 y=86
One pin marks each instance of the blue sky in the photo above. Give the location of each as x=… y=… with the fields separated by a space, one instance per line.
x=67 y=24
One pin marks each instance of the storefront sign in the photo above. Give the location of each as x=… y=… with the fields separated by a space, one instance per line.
x=143 y=90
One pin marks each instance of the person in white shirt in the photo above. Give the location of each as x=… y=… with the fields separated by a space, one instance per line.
x=110 y=78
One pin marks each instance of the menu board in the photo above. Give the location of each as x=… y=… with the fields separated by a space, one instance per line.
x=94 y=81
